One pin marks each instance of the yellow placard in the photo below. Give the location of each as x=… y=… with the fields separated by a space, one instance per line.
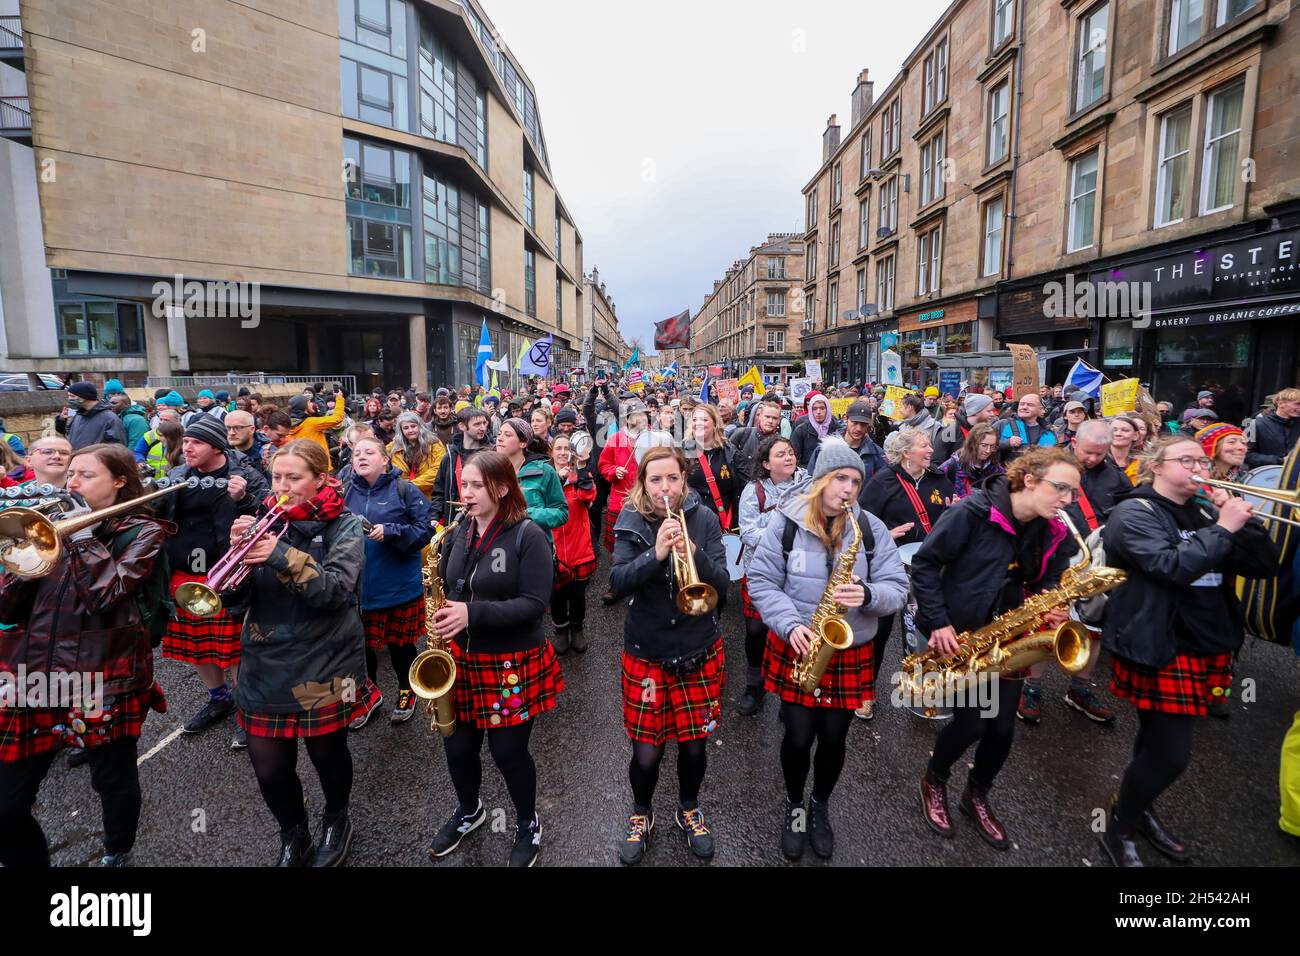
x=755 y=378
x=840 y=407
x=1119 y=398
x=892 y=406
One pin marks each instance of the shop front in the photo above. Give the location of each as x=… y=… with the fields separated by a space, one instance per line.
x=927 y=334
x=1224 y=317
x=850 y=355
x=1031 y=315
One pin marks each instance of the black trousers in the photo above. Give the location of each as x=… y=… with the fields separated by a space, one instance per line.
x=275 y=762
x=113 y=774
x=995 y=735
x=829 y=728
x=755 y=646
x=1161 y=753
x=509 y=747
x=569 y=604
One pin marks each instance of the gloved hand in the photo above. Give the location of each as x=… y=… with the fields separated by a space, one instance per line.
x=80 y=508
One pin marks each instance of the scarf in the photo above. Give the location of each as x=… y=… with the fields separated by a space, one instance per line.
x=326 y=505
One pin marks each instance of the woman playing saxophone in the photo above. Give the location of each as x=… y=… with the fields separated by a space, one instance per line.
x=810 y=567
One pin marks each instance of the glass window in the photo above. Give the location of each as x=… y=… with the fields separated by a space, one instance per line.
x=530 y=215
x=864 y=225
x=129 y=328
x=835 y=244
x=1091 y=64
x=373 y=14
x=862 y=289
x=437 y=89
x=530 y=282
x=864 y=160
x=1186 y=18
x=932 y=170
x=837 y=184
x=832 y=304
x=992 y=238
x=484 y=251
x=1171 y=176
x=1083 y=198
x=559 y=305
x=480 y=108
x=885 y=283
x=1232 y=8
x=1002 y=10
x=1222 y=143
x=776 y=303
x=1117 y=344
x=997 y=130
x=375 y=87
x=934 y=78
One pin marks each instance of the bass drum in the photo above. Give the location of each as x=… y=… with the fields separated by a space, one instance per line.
x=913 y=640
x=731 y=542
x=1265 y=476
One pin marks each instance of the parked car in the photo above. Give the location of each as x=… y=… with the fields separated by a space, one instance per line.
x=29 y=382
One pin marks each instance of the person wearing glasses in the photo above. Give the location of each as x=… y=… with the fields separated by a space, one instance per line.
x=1011 y=524
x=242 y=436
x=48 y=459
x=1173 y=627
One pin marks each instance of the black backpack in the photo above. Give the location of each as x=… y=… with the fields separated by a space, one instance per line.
x=154 y=599
x=868 y=536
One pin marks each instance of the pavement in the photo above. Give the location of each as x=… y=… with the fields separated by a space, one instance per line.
x=202 y=806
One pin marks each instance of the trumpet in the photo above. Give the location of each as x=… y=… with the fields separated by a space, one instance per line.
x=1277 y=496
x=31 y=544
x=203 y=598
x=695 y=598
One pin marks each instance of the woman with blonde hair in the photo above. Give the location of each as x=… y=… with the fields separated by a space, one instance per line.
x=713 y=474
x=416 y=452
x=1124 y=435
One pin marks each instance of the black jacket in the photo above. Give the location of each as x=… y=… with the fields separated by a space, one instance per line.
x=977 y=561
x=99 y=424
x=951 y=437
x=507 y=590
x=1102 y=486
x=203 y=516
x=1275 y=437
x=746 y=441
x=700 y=485
x=445 y=486
x=1163 y=557
x=655 y=630
x=805 y=438
x=886 y=498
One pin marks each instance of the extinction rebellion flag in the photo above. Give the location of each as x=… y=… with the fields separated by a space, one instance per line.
x=674 y=333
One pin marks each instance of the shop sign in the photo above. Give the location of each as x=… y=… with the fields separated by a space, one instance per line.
x=932 y=316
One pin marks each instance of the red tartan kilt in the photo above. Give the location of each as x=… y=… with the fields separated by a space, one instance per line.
x=679 y=706
x=30 y=732
x=746 y=606
x=581 y=573
x=493 y=691
x=611 y=518
x=402 y=625
x=850 y=680
x=1185 y=686
x=312 y=723
x=199 y=640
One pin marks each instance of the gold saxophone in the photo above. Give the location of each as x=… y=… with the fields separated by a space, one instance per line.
x=1016 y=640
x=433 y=672
x=831 y=631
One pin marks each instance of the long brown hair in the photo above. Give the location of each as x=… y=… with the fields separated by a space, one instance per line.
x=499 y=475
x=120 y=464
x=637 y=499
x=829 y=529
x=173 y=439
x=969 y=454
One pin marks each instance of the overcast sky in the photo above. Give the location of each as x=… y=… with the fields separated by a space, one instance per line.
x=682 y=133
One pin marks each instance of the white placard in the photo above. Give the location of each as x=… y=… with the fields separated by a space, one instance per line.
x=812 y=369
x=799 y=388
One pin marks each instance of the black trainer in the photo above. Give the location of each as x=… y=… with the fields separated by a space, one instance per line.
x=821 y=836
x=528 y=843
x=335 y=840
x=1121 y=849
x=698 y=837
x=78 y=756
x=213 y=713
x=751 y=702
x=795 y=834
x=640 y=827
x=116 y=859
x=456 y=829
x=295 y=847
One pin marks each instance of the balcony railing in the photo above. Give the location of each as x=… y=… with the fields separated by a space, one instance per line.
x=11 y=34
x=15 y=114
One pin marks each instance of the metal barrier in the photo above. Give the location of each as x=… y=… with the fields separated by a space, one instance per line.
x=347 y=382
x=15 y=113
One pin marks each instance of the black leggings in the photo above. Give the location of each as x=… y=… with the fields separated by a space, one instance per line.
x=275 y=762
x=830 y=729
x=884 y=628
x=509 y=747
x=569 y=605
x=402 y=656
x=1161 y=753
x=643 y=772
x=113 y=774
x=995 y=735
x=755 y=645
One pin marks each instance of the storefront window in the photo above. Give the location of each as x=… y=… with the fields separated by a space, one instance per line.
x=1216 y=358
x=957 y=338
x=1203 y=345
x=1117 y=347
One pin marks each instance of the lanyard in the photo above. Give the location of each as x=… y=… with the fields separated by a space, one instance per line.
x=1085 y=506
x=723 y=513
x=917 y=505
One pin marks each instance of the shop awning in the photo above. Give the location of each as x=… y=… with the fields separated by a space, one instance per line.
x=999 y=359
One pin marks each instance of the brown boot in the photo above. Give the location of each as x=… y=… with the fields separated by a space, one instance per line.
x=975 y=804
x=579 y=640
x=934 y=804
x=561 y=640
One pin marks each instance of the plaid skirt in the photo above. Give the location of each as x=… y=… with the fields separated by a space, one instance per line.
x=849 y=682
x=1184 y=686
x=401 y=625
x=319 y=722
x=577 y=575
x=746 y=606
x=505 y=690
x=611 y=519
x=658 y=706
x=200 y=640
x=31 y=732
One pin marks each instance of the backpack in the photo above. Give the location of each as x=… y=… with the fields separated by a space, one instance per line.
x=153 y=600
x=868 y=536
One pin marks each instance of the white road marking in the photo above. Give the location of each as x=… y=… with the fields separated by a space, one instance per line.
x=156 y=748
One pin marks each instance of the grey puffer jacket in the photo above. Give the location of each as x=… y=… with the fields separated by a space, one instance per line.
x=755 y=519
x=786 y=588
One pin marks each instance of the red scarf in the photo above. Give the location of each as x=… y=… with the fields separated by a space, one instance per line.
x=326 y=505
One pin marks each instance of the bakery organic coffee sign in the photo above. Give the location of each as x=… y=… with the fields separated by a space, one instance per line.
x=1260 y=267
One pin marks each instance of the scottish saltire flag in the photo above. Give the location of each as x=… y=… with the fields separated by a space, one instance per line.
x=1084 y=378
x=484 y=356
x=704 y=390
x=670 y=370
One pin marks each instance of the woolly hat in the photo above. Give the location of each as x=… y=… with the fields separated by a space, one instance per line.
x=1211 y=435
x=976 y=404
x=208 y=429
x=207 y=393
x=113 y=386
x=84 y=390
x=836 y=454
x=172 y=399
x=566 y=415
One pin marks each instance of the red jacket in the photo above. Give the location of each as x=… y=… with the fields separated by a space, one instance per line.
x=573 y=539
x=620 y=452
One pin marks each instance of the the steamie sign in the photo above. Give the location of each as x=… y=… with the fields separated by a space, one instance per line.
x=1242 y=271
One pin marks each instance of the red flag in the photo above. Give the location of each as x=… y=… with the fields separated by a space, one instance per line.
x=674 y=333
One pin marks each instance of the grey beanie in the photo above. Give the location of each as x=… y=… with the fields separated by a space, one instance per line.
x=976 y=404
x=836 y=454
x=208 y=429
